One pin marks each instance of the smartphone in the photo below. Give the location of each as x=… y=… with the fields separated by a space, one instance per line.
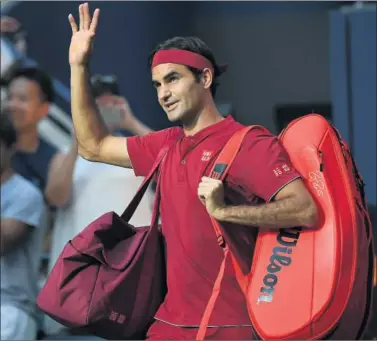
x=111 y=115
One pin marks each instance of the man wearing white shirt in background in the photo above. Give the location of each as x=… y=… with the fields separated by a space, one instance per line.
x=22 y=209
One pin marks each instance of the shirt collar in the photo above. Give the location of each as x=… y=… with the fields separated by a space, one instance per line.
x=214 y=128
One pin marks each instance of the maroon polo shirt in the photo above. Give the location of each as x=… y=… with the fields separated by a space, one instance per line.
x=260 y=170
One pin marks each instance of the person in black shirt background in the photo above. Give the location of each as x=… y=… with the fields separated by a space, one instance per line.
x=30 y=93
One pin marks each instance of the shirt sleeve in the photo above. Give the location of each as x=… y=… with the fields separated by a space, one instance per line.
x=143 y=150
x=263 y=166
x=28 y=207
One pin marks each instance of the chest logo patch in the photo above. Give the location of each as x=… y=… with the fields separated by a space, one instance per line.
x=206 y=156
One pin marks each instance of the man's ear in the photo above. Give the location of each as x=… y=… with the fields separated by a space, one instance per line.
x=207 y=78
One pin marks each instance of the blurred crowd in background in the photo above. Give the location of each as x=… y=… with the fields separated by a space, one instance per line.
x=285 y=60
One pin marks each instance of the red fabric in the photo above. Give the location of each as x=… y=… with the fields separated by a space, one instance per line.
x=322 y=275
x=182 y=57
x=150 y=145
x=225 y=158
x=193 y=255
x=90 y=284
x=163 y=331
x=110 y=277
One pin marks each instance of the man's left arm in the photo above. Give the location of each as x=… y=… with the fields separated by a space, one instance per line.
x=59 y=181
x=262 y=168
x=292 y=206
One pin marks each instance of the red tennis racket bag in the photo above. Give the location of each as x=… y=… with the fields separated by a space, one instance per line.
x=316 y=284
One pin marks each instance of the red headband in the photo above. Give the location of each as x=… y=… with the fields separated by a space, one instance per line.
x=182 y=57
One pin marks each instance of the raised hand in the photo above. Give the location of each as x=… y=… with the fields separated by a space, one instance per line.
x=82 y=36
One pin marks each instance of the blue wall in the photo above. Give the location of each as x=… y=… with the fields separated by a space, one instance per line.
x=353 y=85
x=261 y=7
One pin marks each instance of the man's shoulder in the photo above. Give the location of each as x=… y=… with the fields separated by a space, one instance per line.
x=255 y=133
x=258 y=133
x=34 y=166
x=258 y=130
x=170 y=132
x=46 y=152
x=160 y=136
x=22 y=201
x=257 y=139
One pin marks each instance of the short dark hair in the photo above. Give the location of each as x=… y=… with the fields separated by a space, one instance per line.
x=8 y=134
x=39 y=76
x=192 y=44
x=102 y=84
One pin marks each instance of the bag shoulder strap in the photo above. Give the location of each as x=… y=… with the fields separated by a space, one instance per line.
x=219 y=171
x=134 y=203
x=224 y=162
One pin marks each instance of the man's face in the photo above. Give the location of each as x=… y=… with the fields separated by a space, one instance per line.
x=179 y=93
x=25 y=104
x=5 y=157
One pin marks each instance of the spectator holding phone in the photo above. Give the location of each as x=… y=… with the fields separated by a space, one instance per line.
x=115 y=109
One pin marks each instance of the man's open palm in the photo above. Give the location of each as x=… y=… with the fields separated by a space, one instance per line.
x=82 y=36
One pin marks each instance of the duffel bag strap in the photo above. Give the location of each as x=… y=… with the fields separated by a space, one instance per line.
x=132 y=206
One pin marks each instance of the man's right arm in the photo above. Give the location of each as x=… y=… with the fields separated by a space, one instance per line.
x=95 y=143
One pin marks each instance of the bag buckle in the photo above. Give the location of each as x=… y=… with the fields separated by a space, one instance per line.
x=221 y=241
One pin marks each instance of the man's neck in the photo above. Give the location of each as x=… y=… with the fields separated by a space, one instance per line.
x=205 y=118
x=6 y=175
x=28 y=141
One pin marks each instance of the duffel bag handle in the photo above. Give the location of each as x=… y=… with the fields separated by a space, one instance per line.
x=132 y=206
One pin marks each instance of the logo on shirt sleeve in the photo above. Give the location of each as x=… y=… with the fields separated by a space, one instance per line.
x=281 y=169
